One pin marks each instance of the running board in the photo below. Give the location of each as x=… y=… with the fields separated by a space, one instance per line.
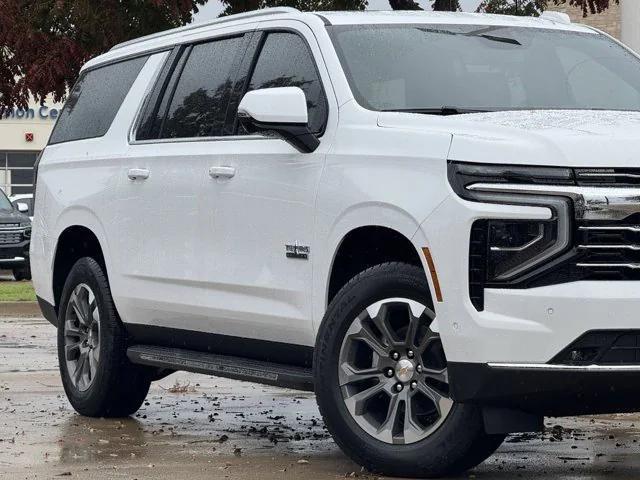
x=238 y=368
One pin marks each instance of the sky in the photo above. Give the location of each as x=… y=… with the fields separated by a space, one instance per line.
x=213 y=7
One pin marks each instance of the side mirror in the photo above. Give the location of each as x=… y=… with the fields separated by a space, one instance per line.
x=22 y=207
x=282 y=110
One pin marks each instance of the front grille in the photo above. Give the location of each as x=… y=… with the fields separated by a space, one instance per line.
x=609 y=250
x=11 y=233
x=602 y=347
x=607 y=177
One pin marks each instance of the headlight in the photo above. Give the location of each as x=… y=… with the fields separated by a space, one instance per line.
x=505 y=252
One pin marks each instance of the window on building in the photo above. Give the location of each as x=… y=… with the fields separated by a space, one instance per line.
x=286 y=61
x=95 y=100
x=16 y=172
x=199 y=104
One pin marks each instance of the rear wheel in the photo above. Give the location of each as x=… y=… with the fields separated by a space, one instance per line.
x=97 y=377
x=382 y=382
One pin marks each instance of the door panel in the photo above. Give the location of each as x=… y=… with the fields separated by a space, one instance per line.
x=163 y=182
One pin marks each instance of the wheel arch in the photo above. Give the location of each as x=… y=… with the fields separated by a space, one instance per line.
x=74 y=242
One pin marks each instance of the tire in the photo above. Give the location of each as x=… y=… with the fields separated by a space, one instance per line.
x=107 y=384
x=454 y=442
x=22 y=273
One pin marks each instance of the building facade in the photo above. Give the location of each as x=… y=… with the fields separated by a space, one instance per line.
x=23 y=134
x=609 y=21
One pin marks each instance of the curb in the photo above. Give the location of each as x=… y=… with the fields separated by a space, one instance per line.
x=20 y=309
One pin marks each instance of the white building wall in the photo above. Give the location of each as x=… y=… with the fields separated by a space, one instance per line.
x=631 y=23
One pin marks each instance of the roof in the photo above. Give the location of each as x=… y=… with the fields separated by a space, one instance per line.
x=451 y=18
x=369 y=17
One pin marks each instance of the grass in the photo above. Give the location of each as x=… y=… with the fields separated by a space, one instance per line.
x=17 y=292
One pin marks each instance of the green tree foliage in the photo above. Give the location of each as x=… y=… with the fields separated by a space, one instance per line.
x=238 y=6
x=43 y=43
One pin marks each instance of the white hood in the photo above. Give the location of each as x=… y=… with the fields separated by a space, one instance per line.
x=546 y=137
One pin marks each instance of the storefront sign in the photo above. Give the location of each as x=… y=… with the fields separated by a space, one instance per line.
x=42 y=112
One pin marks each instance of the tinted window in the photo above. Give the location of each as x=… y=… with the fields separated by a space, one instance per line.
x=199 y=105
x=95 y=100
x=154 y=110
x=285 y=61
x=426 y=67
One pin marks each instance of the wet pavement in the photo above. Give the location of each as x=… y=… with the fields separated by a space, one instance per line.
x=198 y=427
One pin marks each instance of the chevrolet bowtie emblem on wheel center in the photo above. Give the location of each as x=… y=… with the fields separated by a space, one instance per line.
x=405 y=370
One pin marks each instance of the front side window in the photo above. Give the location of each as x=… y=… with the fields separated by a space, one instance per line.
x=286 y=61
x=5 y=204
x=199 y=104
x=95 y=100
x=479 y=67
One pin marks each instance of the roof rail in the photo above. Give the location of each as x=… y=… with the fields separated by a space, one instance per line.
x=558 y=17
x=216 y=21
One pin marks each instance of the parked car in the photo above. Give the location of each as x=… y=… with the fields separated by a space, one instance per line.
x=430 y=220
x=15 y=236
x=26 y=199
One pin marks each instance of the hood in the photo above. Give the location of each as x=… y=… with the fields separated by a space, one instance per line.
x=12 y=216
x=545 y=137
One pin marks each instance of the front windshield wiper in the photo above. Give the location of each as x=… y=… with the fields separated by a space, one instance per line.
x=482 y=33
x=445 y=110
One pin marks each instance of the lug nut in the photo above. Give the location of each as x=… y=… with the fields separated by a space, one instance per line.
x=410 y=354
x=399 y=387
x=389 y=372
x=414 y=385
x=395 y=355
x=419 y=369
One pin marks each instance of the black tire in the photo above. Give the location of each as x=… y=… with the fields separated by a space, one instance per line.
x=119 y=387
x=458 y=444
x=18 y=274
x=22 y=273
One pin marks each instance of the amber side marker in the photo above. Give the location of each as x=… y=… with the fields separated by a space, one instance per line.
x=434 y=274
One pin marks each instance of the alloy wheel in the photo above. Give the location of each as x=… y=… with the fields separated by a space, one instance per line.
x=82 y=337
x=393 y=372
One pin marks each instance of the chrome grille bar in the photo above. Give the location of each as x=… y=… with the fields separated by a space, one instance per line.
x=630 y=266
x=610 y=247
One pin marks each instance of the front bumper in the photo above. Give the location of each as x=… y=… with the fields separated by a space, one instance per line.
x=14 y=255
x=550 y=390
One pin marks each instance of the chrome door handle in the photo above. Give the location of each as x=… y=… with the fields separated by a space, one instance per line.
x=222 y=172
x=138 y=174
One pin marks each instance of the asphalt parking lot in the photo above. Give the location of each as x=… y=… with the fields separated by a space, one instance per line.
x=199 y=427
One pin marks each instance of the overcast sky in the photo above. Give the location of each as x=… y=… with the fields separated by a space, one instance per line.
x=213 y=7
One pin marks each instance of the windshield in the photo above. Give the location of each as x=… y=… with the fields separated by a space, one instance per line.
x=5 y=204
x=485 y=68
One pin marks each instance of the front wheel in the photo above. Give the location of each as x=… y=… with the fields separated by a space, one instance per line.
x=382 y=382
x=97 y=377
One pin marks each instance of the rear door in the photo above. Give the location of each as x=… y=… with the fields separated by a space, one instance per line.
x=163 y=184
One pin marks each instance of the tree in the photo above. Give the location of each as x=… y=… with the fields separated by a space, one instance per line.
x=535 y=7
x=43 y=43
x=238 y=6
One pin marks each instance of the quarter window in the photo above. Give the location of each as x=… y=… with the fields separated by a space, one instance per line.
x=199 y=104
x=285 y=61
x=95 y=100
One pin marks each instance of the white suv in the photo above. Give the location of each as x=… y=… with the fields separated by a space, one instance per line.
x=431 y=220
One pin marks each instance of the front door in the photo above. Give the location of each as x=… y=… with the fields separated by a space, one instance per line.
x=263 y=218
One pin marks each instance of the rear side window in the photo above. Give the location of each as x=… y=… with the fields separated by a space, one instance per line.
x=199 y=104
x=286 y=61
x=94 y=101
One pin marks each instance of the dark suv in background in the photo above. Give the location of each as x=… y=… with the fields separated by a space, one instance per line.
x=15 y=236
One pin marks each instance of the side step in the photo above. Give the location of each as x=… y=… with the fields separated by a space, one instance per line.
x=238 y=368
